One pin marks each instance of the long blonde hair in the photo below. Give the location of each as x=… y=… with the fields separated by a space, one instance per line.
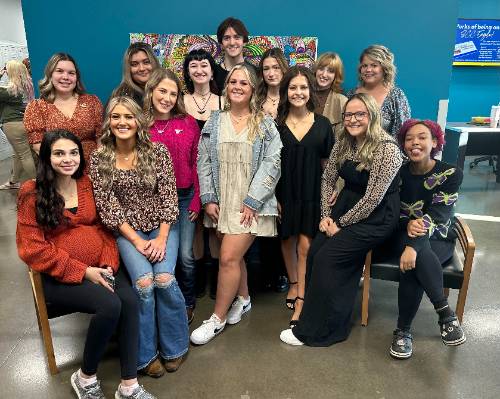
x=381 y=54
x=256 y=113
x=47 y=91
x=374 y=134
x=106 y=153
x=20 y=82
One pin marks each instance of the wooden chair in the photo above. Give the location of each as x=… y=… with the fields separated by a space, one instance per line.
x=456 y=272
x=44 y=312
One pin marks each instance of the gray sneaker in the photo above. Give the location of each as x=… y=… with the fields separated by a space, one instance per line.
x=92 y=391
x=139 y=393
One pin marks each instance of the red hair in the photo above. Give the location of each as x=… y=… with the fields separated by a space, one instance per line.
x=434 y=128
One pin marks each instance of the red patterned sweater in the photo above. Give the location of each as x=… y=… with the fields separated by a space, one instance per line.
x=65 y=252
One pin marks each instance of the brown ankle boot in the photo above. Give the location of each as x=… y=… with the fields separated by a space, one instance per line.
x=154 y=369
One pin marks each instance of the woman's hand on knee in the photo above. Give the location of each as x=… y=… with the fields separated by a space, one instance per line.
x=247 y=216
x=408 y=259
x=94 y=275
x=212 y=211
x=157 y=248
x=416 y=228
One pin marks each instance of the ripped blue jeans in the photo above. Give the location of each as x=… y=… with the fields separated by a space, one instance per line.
x=163 y=326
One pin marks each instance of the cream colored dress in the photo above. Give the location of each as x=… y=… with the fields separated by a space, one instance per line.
x=235 y=174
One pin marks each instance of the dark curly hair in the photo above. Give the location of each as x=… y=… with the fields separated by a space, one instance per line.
x=198 y=55
x=434 y=128
x=284 y=104
x=49 y=203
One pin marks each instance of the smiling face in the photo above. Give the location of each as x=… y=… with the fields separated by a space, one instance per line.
x=239 y=88
x=298 y=91
x=325 y=77
x=232 y=43
x=64 y=157
x=356 y=119
x=140 y=67
x=371 y=71
x=419 y=143
x=200 y=72
x=64 y=77
x=122 y=123
x=164 y=98
x=271 y=72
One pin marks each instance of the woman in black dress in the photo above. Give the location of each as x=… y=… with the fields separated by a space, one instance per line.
x=307 y=141
x=364 y=215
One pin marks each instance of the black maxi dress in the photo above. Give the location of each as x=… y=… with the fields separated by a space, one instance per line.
x=299 y=188
x=367 y=212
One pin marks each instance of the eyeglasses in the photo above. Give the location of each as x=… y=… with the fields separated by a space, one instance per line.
x=347 y=116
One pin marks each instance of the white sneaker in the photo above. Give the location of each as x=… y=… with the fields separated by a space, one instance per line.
x=208 y=330
x=239 y=307
x=288 y=338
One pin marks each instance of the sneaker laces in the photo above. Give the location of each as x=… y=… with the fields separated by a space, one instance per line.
x=94 y=390
x=213 y=318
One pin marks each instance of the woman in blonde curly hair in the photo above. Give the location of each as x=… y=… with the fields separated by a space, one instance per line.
x=377 y=75
x=364 y=215
x=135 y=193
x=238 y=168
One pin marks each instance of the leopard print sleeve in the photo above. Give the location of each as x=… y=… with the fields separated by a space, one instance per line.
x=328 y=180
x=387 y=159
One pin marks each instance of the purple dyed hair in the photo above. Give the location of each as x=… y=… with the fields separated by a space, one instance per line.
x=435 y=129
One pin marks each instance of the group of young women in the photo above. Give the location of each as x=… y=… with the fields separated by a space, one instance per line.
x=278 y=152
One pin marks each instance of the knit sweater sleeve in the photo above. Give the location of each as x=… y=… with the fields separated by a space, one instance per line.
x=39 y=253
x=195 y=205
x=98 y=115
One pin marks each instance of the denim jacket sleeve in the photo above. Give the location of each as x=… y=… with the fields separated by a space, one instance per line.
x=204 y=162
x=268 y=171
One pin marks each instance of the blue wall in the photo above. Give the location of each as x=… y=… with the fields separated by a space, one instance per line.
x=473 y=90
x=421 y=34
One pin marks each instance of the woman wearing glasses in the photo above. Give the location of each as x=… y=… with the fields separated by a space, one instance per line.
x=376 y=74
x=364 y=215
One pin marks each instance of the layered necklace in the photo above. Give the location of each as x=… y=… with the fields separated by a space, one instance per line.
x=238 y=119
x=299 y=121
x=205 y=98
x=273 y=100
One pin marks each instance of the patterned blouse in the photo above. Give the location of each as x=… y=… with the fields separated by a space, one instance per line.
x=131 y=200
x=395 y=110
x=85 y=123
x=387 y=160
x=430 y=197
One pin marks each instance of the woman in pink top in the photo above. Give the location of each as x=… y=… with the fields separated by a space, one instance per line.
x=172 y=126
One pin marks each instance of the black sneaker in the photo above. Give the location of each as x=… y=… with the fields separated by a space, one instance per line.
x=401 y=347
x=451 y=332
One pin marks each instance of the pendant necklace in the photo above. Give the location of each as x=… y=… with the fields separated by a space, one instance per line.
x=201 y=110
x=273 y=100
x=160 y=131
x=295 y=123
x=238 y=119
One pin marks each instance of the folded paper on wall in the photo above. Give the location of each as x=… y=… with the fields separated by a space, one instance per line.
x=172 y=48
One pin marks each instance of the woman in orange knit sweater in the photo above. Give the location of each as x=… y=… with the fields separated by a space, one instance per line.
x=58 y=235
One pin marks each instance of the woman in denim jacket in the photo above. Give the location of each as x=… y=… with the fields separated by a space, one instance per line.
x=238 y=168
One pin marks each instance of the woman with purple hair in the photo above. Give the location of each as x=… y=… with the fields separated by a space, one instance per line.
x=425 y=239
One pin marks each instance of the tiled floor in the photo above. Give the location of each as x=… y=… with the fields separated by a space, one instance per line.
x=248 y=361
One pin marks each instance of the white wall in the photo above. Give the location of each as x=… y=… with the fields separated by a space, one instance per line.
x=11 y=22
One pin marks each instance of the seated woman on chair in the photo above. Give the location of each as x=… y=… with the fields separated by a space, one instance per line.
x=425 y=239
x=58 y=235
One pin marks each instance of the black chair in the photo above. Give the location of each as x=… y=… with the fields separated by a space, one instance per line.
x=492 y=161
x=456 y=272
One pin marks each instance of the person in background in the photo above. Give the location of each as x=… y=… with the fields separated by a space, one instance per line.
x=232 y=35
x=179 y=132
x=425 y=238
x=329 y=73
x=13 y=100
x=307 y=142
x=238 y=168
x=200 y=100
x=365 y=213
x=139 y=62
x=377 y=74
x=134 y=188
x=59 y=235
x=63 y=104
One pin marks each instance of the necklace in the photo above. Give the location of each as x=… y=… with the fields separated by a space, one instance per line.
x=238 y=119
x=201 y=110
x=299 y=121
x=203 y=95
x=160 y=131
x=128 y=157
x=273 y=100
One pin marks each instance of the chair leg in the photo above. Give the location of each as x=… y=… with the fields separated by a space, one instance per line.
x=462 y=297
x=366 y=290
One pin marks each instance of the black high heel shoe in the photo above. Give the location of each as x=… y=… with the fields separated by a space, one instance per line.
x=293 y=323
x=290 y=303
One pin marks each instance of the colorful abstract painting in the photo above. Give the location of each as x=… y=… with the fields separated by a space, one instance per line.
x=172 y=48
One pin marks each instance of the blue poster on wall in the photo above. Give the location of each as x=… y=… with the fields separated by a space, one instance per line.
x=477 y=42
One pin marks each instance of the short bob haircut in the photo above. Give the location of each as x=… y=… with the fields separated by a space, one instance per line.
x=238 y=26
x=332 y=61
x=284 y=104
x=47 y=91
x=434 y=128
x=385 y=57
x=198 y=55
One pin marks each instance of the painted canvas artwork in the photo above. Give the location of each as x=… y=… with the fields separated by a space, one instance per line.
x=172 y=48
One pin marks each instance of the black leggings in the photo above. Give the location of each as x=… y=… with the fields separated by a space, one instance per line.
x=427 y=276
x=111 y=310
